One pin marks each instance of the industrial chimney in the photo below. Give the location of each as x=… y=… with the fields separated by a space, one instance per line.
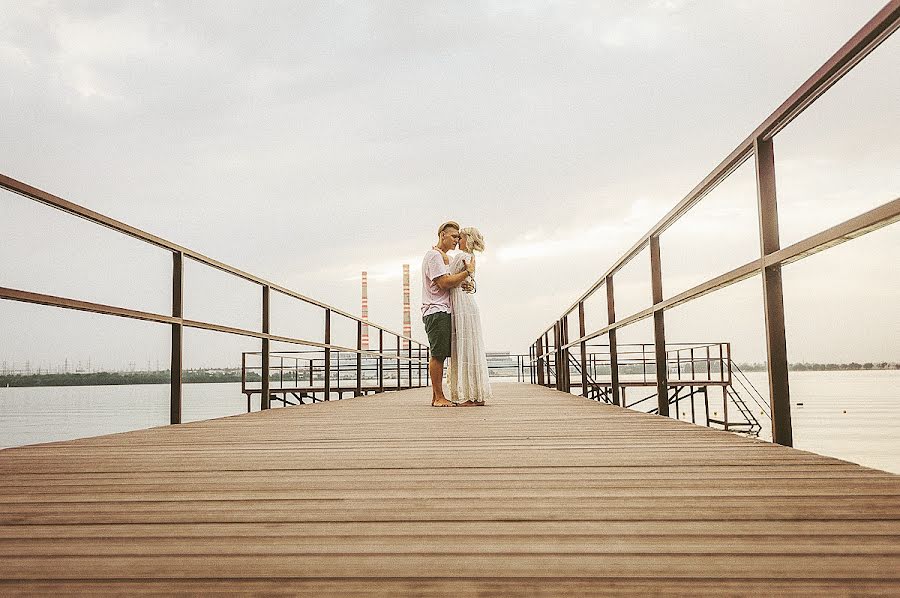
x=407 y=328
x=365 y=310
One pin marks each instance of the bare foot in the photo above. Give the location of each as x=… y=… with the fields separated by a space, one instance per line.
x=479 y=403
x=441 y=402
x=468 y=404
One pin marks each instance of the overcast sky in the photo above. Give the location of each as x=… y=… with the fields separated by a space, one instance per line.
x=305 y=142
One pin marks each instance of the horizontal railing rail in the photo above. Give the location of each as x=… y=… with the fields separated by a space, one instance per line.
x=553 y=344
x=311 y=373
x=178 y=322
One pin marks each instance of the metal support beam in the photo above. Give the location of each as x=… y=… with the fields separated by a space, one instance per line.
x=539 y=365
x=177 y=337
x=584 y=383
x=547 y=352
x=659 y=330
x=359 y=335
x=564 y=353
x=327 y=355
x=773 y=296
x=264 y=399
x=556 y=344
x=613 y=347
x=380 y=360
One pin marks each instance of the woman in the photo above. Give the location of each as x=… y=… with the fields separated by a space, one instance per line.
x=468 y=372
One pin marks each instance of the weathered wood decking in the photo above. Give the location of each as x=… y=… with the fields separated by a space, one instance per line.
x=538 y=493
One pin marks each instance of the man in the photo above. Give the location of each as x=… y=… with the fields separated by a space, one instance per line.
x=436 y=284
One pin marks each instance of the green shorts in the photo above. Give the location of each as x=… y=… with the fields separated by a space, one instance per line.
x=438 y=327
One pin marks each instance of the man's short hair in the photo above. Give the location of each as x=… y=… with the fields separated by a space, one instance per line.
x=446 y=225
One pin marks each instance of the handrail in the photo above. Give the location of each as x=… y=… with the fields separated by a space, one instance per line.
x=882 y=216
x=758 y=145
x=754 y=394
x=178 y=322
x=877 y=30
x=26 y=190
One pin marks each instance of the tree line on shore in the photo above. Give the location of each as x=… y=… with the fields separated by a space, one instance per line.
x=207 y=376
x=119 y=378
x=825 y=367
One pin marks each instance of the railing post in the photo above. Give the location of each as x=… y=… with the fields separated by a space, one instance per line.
x=337 y=377
x=564 y=352
x=581 y=333
x=419 y=363
x=398 y=363
x=547 y=360
x=728 y=353
x=725 y=407
x=644 y=361
x=532 y=355
x=359 y=327
x=564 y=333
x=327 y=355
x=556 y=336
x=264 y=399
x=244 y=378
x=773 y=297
x=177 y=337
x=693 y=374
x=409 y=364
x=539 y=365
x=659 y=330
x=613 y=347
x=380 y=360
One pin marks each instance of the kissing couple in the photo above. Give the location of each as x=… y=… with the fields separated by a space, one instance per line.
x=451 y=318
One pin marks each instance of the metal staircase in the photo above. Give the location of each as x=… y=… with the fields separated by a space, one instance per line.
x=595 y=391
x=741 y=397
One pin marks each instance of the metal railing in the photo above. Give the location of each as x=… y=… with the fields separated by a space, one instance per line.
x=692 y=370
x=759 y=146
x=178 y=322
x=303 y=374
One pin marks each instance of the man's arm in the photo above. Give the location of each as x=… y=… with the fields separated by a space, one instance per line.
x=451 y=281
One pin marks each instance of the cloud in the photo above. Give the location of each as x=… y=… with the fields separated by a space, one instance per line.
x=310 y=141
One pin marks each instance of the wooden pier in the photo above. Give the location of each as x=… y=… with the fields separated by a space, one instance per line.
x=539 y=493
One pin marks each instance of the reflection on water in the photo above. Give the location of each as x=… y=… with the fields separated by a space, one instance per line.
x=849 y=415
x=44 y=414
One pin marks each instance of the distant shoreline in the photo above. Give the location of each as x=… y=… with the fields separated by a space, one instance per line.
x=219 y=376
x=824 y=367
x=122 y=378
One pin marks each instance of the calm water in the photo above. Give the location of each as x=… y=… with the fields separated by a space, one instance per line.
x=850 y=415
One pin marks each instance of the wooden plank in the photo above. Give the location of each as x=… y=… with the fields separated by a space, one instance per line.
x=584 y=544
x=411 y=565
x=272 y=529
x=540 y=492
x=443 y=586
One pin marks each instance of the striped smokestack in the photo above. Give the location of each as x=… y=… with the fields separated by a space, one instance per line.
x=407 y=327
x=365 y=310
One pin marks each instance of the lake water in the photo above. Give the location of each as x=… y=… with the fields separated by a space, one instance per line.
x=849 y=415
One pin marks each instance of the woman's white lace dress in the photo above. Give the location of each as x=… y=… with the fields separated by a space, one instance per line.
x=467 y=375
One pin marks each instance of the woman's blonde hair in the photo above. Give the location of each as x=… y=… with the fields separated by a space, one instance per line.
x=474 y=238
